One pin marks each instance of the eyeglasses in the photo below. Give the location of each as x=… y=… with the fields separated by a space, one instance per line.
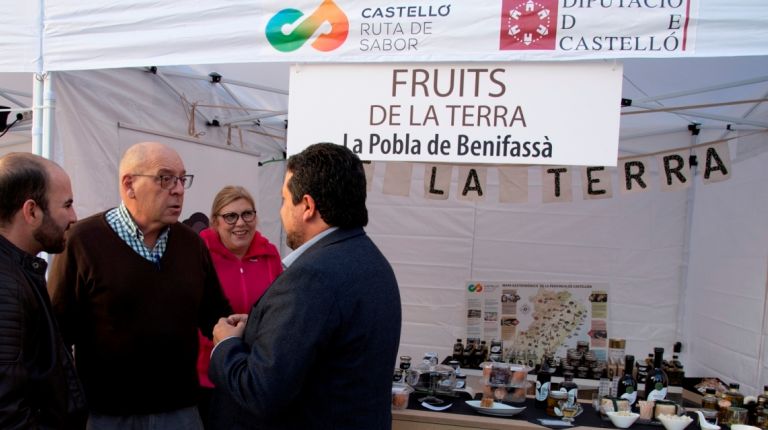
x=232 y=217
x=169 y=181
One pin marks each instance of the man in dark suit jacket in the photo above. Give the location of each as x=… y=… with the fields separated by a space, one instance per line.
x=317 y=351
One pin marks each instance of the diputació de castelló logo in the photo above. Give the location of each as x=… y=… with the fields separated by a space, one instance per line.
x=328 y=12
x=528 y=25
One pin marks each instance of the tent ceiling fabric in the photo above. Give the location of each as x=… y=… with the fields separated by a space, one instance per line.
x=644 y=133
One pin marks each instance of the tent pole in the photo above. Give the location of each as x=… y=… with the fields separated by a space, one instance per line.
x=224 y=80
x=49 y=104
x=37 y=113
x=703 y=90
x=682 y=328
x=761 y=350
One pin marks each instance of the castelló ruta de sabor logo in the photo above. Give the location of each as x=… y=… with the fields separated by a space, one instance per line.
x=475 y=288
x=528 y=25
x=286 y=31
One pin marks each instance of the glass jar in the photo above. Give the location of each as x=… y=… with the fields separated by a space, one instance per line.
x=554 y=400
x=709 y=401
x=398 y=375
x=431 y=357
x=405 y=362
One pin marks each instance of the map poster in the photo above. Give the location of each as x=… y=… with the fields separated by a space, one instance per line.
x=535 y=318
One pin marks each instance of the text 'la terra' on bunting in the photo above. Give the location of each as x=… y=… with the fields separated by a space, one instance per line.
x=673 y=171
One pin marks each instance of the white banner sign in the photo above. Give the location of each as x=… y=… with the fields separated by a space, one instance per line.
x=531 y=113
x=109 y=33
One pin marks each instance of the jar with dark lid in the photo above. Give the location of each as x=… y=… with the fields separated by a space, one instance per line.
x=405 y=362
x=398 y=375
x=582 y=372
x=709 y=401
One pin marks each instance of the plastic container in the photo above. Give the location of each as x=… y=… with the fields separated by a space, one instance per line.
x=401 y=393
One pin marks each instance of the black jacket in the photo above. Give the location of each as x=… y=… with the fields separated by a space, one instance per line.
x=38 y=385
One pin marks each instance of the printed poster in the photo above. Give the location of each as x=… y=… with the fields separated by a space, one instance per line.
x=539 y=317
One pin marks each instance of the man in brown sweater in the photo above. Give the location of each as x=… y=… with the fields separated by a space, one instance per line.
x=131 y=290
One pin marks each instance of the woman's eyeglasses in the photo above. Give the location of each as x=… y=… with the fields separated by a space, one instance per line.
x=232 y=217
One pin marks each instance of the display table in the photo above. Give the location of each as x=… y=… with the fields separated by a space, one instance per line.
x=461 y=416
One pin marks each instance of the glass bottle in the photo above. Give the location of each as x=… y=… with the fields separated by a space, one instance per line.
x=570 y=387
x=734 y=396
x=643 y=369
x=543 y=386
x=676 y=372
x=458 y=350
x=709 y=401
x=480 y=355
x=762 y=413
x=627 y=388
x=656 y=382
x=466 y=356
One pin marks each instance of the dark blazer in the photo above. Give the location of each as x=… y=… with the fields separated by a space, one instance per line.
x=319 y=347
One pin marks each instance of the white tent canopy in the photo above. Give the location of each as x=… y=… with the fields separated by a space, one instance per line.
x=686 y=265
x=62 y=35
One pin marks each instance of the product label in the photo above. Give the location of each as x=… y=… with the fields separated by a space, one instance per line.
x=542 y=391
x=630 y=396
x=573 y=394
x=657 y=394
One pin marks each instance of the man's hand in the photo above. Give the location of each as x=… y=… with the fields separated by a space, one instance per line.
x=232 y=326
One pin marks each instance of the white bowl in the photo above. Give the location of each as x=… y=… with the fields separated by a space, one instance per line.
x=675 y=422
x=622 y=420
x=743 y=427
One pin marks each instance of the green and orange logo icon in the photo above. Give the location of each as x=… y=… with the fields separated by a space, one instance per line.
x=286 y=32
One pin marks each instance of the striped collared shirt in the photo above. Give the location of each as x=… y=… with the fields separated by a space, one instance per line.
x=123 y=224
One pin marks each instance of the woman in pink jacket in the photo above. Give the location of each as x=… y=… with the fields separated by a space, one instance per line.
x=245 y=261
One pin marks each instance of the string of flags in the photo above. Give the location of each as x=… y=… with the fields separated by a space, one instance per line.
x=671 y=170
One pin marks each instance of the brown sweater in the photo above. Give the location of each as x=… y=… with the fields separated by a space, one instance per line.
x=134 y=323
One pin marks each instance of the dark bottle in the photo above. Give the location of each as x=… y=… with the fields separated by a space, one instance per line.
x=627 y=388
x=734 y=396
x=469 y=350
x=709 y=401
x=656 y=382
x=543 y=386
x=480 y=355
x=458 y=350
x=570 y=387
x=643 y=367
x=676 y=372
x=762 y=412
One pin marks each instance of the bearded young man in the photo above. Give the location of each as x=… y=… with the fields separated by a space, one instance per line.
x=39 y=387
